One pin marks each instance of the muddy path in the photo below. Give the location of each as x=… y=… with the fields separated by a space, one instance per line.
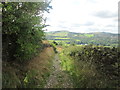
x=58 y=78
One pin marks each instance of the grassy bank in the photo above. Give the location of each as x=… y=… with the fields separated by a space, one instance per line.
x=32 y=74
x=88 y=68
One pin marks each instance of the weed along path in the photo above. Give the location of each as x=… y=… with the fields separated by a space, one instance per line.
x=58 y=78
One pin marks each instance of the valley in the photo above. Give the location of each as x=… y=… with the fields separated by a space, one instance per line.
x=97 y=38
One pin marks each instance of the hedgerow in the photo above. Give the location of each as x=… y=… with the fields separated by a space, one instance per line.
x=22 y=29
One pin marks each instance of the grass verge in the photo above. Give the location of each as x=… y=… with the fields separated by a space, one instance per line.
x=83 y=73
x=33 y=74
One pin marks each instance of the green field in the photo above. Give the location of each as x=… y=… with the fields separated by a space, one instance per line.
x=105 y=39
x=89 y=35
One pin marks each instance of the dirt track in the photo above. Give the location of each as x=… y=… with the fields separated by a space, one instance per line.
x=58 y=78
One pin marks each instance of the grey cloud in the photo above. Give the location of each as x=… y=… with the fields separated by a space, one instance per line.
x=76 y=25
x=85 y=24
x=62 y=27
x=101 y=30
x=93 y=30
x=105 y=14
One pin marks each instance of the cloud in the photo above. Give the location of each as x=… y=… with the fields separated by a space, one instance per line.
x=106 y=14
x=89 y=24
x=75 y=25
x=63 y=27
x=111 y=26
x=83 y=15
x=92 y=1
x=84 y=24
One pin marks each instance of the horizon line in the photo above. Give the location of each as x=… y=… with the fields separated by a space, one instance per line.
x=82 y=32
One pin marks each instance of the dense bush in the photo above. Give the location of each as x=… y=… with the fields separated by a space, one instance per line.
x=22 y=29
x=105 y=60
x=53 y=44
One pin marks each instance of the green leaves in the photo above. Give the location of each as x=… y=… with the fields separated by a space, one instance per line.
x=96 y=64
x=103 y=58
x=19 y=21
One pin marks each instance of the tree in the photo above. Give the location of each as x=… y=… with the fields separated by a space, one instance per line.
x=55 y=42
x=22 y=24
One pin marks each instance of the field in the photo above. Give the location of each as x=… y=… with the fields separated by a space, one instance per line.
x=100 y=38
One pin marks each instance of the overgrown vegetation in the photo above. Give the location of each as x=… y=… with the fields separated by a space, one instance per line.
x=54 y=44
x=38 y=74
x=22 y=29
x=32 y=74
x=22 y=35
x=92 y=66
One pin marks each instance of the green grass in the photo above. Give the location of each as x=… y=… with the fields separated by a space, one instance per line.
x=78 y=40
x=58 y=34
x=79 y=45
x=27 y=76
x=50 y=40
x=89 y=35
x=66 y=62
x=62 y=38
x=83 y=73
x=31 y=79
x=75 y=35
x=9 y=77
x=62 y=34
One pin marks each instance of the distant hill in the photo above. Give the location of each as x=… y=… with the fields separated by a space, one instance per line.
x=97 y=38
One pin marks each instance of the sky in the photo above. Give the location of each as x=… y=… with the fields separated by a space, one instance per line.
x=83 y=16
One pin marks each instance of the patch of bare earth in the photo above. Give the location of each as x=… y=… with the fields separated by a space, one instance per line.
x=58 y=78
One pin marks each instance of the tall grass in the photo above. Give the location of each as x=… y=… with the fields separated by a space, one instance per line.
x=32 y=74
x=80 y=62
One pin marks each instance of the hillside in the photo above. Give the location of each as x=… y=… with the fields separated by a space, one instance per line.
x=97 y=38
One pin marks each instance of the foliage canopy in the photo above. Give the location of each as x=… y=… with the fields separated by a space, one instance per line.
x=22 y=29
